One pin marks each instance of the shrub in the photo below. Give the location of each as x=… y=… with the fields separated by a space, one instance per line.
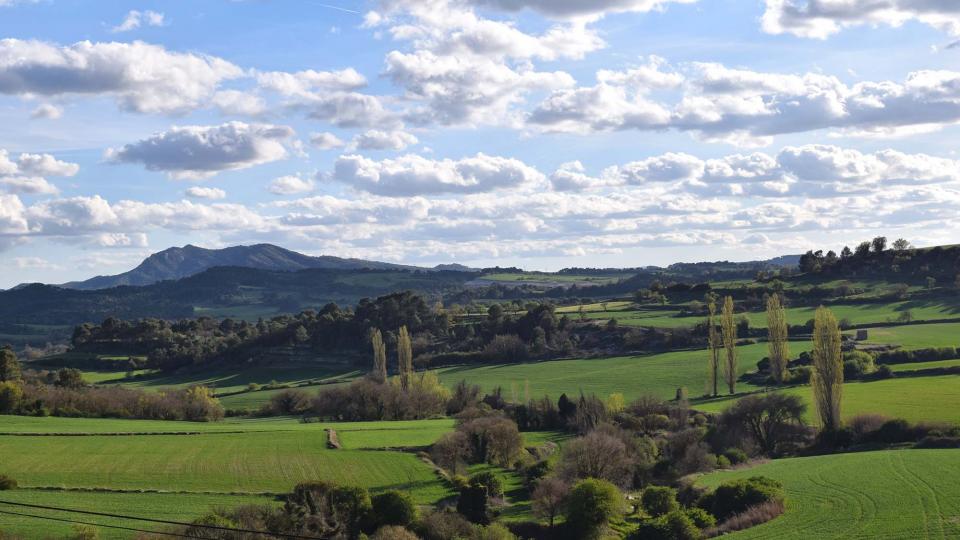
x=10 y=396
x=723 y=462
x=885 y=372
x=394 y=508
x=494 y=531
x=290 y=402
x=438 y=525
x=592 y=505
x=895 y=431
x=864 y=424
x=676 y=525
x=700 y=517
x=737 y=496
x=7 y=482
x=751 y=517
x=856 y=364
x=393 y=532
x=736 y=456
x=659 y=500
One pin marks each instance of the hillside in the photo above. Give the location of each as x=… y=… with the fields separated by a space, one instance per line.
x=181 y=262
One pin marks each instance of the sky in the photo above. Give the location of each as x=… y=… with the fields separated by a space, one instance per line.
x=537 y=133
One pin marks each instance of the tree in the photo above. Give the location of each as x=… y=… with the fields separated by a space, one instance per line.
x=379 y=372
x=845 y=253
x=879 y=244
x=591 y=506
x=779 y=349
x=659 y=500
x=863 y=249
x=10 y=396
x=774 y=422
x=729 y=329
x=393 y=508
x=714 y=341
x=827 y=378
x=549 y=498
x=901 y=245
x=9 y=366
x=404 y=357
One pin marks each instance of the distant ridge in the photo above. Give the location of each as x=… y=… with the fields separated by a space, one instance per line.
x=181 y=262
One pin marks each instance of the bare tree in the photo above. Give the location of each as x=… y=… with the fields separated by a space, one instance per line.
x=549 y=497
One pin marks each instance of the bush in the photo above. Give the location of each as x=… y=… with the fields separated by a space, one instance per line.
x=736 y=456
x=676 y=525
x=494 y=531
x=885 y=372
x=856 y=364
x=7 y=482
x=723 y=462
x=10 y=396
x=393 y=508
x=751 y=517
x=592 y=505
x=393 y=532
x=700 y=517
x=864 y=424
x=290 y=402
x=895 y=431
x=737 y=496
x=659 y=500
x=437 y=525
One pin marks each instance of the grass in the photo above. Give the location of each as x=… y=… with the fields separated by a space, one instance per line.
x=166 y=506
x=887 y=494
x=633 y=376
x=932 y=399
x=917 y=336
x=611 y=306
x=917 y=366
x=539 y=277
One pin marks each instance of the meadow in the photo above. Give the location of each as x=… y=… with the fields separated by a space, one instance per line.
x=917 y=336
x=883 y=494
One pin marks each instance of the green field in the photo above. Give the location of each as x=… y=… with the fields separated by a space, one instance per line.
x=633 y=376
x=165 y=506
x=917 y=366
x=916 y=399
x=563 y=279
x=888 y=494
x=917 y=336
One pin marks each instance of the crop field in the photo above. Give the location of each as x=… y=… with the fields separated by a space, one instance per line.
x=932 y=399
x=633 y=376
x=166 y=506
x=884 y=494
x=538 y=277
x=225 y=380
x=603 y=307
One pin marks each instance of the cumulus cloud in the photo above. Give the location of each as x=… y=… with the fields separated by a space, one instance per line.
x=291 y=185
x=47 y=111
x=376 y=139
x=26 y=173
x=34 y=263
x=198 y=192
x=579 y=8
x=306 y=83
x=415 y=175
x=142 y=77
x=121 y=240
x=748 y=108
x=822 y=18
x=197 y=152
x=326 y=141
x=135 y=19
x=239 y=103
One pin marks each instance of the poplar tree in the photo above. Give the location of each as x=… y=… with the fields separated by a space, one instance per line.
x=714 y=342
x=827 y=379
x=404 y=357
x=729 y=330
x=379 y=356
x=779 y=349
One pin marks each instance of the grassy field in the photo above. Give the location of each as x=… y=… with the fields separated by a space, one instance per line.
x=540 y=277
x=633 y=376
x=917 y=366
x=917 y=336
x=166 y=506
x=889 y=494
x=915 y=399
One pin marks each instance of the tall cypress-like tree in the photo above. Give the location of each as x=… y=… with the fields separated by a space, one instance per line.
x=379 y=356
x=827 y=380
x=715 y=342
x=729 y=330
x=405 y=357
x=779 y=349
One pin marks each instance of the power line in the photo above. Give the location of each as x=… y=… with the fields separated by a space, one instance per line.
x=76 y=522
x=161 y=521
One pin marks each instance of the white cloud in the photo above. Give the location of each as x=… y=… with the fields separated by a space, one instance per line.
x=579 y=8
x=26 y=173
x=34 y=263
x=198 y=192
x=143 y=78
x=196 y=152
x=28 y=185
x=239 y=103
x=415 y=175
x=376 y=139
x=291 y=185
x=47 y=111
x=135 y=19
x=121 y=240
x=822 y=18
x=326 y=141
x=307 y=83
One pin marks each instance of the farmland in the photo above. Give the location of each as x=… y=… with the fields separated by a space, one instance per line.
x=885 y=494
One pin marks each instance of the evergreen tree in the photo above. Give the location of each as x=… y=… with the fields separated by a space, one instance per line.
x=729 y=330
x=827 y=380
x=404 y=357
x=779 y=350
x=379 y=356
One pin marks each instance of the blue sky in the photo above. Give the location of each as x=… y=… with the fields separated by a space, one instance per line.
x=537 y=133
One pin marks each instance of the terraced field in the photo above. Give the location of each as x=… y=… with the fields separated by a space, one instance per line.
x=869 y=495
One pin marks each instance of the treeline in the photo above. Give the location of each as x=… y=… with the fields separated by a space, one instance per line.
x=898 y=261
x=64 y=393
